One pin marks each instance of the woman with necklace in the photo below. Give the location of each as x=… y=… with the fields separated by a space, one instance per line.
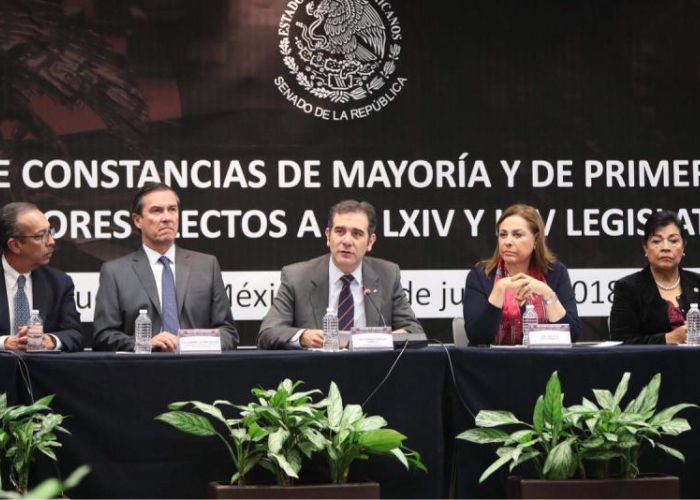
x=649 y=306
x=522 y=270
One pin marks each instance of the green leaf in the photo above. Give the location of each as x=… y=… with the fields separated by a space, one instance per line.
x=490 y=418
x=676 y=426
x=604 y=398
x=351 y=414
x=381 y=440
x=552 y=408
x=481 y=436
x=621 y=389
x=560 y=462
x=335 y=406
x=524 y=457
x=672 y=451
x=76 y=476
x=210 y=410
x=610 y=436
x=400 y=456
x=275 y=440
x=494 y=467
x=590 y=405
x=648 y=396
x=538 y=415
x=523 y=436
x=593 y=442
x=289 y=469
x=372 y=423
x=189 y=423
x=667 y=414
x=315 y=438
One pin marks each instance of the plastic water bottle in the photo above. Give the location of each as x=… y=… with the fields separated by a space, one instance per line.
x=692 y=321
x=330 y=330
x=530 y=319
x=35 y=331
x=142 y=332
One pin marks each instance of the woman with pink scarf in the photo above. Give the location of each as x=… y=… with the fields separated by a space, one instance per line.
x=521 y=271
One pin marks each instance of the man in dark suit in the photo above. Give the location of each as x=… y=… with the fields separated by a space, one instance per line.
x=181 y=289
x=29 y=283
x=364 y=290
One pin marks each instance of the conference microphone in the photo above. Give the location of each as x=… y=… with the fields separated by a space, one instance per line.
x=368 y=294
x=411 y=340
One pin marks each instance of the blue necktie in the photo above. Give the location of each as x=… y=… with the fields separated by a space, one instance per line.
x=346 y=305
x=21 y=305
x=170 y=321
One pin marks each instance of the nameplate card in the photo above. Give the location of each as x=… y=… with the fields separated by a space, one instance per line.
x=197 y=341
x=550 y=335
x=371 y=338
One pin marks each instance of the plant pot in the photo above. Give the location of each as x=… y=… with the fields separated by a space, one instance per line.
x=647 y=486
x=349 y=490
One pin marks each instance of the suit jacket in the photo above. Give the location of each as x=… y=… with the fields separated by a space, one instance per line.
x=53 y=294
x=481 y=318
x=127 y=285
x=639 y=313
x=302 y=299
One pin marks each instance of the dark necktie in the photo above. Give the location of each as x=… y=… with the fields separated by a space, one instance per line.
x=21 y=305
x=346 y=306
x=170 y=321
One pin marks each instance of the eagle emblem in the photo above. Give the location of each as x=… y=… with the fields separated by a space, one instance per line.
x=340 y=50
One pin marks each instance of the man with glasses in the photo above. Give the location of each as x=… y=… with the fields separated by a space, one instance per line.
x=29 y=283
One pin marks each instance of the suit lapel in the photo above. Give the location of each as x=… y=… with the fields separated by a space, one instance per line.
x=182 y=276
x=144 y=273
x=370 y=281
x=319 y=290
x=4 y=306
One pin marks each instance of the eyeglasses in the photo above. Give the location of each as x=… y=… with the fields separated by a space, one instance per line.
x=43 y=236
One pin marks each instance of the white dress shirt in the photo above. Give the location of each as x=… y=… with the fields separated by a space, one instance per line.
x=335 y=285
x=11 y=277
x=157 y=267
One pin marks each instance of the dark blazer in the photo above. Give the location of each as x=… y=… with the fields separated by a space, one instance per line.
x=127 y=285
x=53 y=294
x=302 y=299
x=482 y=319
x=639 y=314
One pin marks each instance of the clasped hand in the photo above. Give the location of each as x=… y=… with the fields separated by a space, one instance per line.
x=524 y=286
x=18 y=342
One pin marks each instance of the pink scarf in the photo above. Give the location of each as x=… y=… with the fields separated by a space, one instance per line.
x=510 y=331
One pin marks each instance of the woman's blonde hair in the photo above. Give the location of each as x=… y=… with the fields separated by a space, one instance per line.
x=542 y=257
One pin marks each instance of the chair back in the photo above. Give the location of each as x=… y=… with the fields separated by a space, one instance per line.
x=459 y=333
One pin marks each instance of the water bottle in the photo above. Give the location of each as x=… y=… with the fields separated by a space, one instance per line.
x=142 y=332
x=330 y=330
x=692 y=321
x=35 y=331
x=530 y=319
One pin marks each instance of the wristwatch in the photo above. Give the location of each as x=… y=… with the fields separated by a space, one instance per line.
x=553 y=299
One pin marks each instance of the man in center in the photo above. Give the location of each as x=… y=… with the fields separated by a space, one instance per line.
x=366 y=291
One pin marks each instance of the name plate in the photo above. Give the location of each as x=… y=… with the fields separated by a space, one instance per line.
x=371 y=338
x=550 y=335
x=197 y=341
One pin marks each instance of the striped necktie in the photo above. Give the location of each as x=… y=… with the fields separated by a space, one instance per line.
x=346 y=306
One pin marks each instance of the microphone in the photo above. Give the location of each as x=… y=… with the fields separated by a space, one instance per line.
x=368 y=293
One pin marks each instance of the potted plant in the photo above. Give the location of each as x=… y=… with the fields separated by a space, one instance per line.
x=352 y=435
x=565 y=443
x=281 y=428
x=26 y=430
